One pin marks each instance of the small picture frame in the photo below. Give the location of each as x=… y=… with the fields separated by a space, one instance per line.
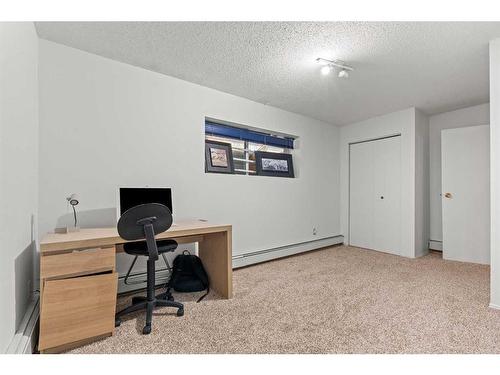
x=218 y=157
x=274 y=164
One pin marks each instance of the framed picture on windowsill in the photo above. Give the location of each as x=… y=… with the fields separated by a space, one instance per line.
x=274 y=164
x=218 y=157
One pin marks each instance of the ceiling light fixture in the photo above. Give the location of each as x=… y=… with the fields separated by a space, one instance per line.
x=329 y=65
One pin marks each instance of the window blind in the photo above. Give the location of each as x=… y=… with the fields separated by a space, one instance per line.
x=234 y=132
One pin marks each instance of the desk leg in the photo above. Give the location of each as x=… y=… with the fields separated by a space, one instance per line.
x=216 y=254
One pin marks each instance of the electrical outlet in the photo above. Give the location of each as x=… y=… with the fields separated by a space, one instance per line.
x=314 y=231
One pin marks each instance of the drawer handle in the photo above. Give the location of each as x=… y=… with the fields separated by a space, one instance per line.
x=85 y=250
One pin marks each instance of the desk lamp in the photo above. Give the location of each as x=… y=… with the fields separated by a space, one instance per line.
x=73 y=201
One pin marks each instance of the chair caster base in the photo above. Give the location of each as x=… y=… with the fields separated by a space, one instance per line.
x=167 y=296
x=142 y=303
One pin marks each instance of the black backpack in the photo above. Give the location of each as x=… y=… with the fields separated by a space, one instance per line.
x=188 y=275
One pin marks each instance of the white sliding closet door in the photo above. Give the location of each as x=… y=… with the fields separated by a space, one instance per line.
x=375 y=195
x=361 y=195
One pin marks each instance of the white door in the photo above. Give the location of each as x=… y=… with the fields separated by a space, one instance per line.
x=375 y=195
x=465 y=167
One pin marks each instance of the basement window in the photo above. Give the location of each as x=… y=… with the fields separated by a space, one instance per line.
x=245 y=142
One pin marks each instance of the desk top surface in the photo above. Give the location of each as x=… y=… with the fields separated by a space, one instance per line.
x=88 y=237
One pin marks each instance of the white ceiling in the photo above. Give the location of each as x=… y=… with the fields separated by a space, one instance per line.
x=437 y=66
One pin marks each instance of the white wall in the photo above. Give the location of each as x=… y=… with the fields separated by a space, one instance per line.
x=470 y=116
x=422 y=224
x=18 y=171
x=105 y=123
x=495 y=171
x=401 y=122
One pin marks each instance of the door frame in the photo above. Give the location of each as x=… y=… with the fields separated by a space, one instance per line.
x=349 y=177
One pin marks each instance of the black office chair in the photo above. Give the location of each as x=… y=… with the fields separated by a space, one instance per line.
x=144 y=222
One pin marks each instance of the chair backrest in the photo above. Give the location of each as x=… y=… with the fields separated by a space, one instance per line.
x=144 y=222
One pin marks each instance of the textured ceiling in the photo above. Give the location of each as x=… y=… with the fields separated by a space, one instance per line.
x=436 y=66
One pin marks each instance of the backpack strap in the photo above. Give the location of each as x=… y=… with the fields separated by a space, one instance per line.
x=200 y=272
x=206 y=294
x=175 y=273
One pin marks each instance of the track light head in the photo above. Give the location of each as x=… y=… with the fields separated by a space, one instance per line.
x=343 y=74
x=326 y=69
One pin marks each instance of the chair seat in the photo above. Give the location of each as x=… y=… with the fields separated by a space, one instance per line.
x=141 y=248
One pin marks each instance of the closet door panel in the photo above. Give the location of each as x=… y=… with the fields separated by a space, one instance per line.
x=375 y=195
x=361 y=179
x=387 y=195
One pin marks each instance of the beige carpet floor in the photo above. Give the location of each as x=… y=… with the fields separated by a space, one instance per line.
x=336 y=300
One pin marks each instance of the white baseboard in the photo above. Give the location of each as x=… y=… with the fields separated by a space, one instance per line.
x=493 y=306
x=283 y=251
x=26 y=337
x=436 y=245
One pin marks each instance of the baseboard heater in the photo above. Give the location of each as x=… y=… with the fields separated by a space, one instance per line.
x=436 y=245
x=26 y=336
x=238 y=261
x=138 y=281
x=283 y=251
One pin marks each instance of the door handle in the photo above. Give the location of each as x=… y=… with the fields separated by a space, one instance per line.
x=447 y=195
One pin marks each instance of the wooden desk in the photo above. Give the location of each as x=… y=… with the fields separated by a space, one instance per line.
x=78 y=278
